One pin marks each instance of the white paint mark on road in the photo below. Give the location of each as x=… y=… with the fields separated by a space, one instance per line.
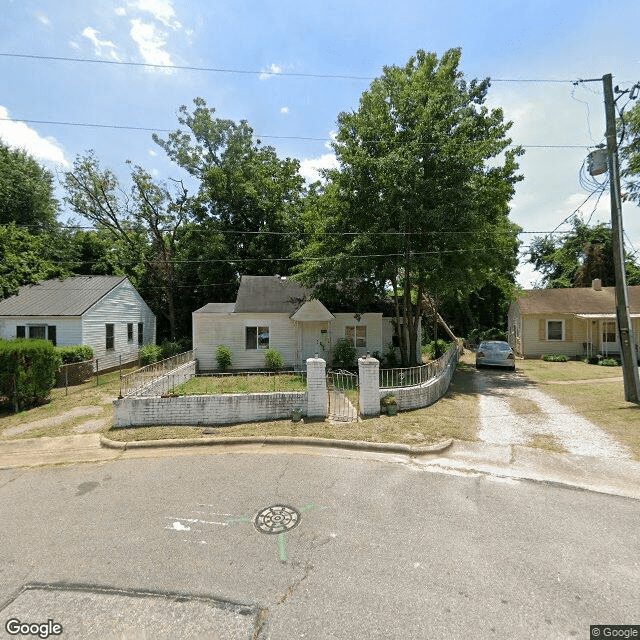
x=178 y=526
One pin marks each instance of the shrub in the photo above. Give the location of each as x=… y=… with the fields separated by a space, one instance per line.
x=224 y=357
x=170 y=349
x=149 y=354
x=273 y=359
x=344 y=353
x=27 y=371
x=436 y=348
x=555 y=357
x=390 y=355
x=75 y=353
x=608 y=362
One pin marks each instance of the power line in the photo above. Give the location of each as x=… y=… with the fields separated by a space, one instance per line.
x=262 y=72
x=258 y=136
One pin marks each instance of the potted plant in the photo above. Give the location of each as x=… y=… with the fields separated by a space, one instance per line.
x=390 y=403
x=296 y=415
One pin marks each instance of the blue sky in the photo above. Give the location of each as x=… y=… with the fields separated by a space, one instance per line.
x=505 y=40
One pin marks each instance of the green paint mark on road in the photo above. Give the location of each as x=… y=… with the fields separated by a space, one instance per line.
x=311 y=505
x=282 y=547
x=241 y=519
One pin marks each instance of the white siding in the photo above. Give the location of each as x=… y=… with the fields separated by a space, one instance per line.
x=119 y=307
x=373 y=322
x=68 y=330
x=213 y=329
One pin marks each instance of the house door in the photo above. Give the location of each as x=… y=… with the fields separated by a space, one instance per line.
x=315 y=339
x=609 y=342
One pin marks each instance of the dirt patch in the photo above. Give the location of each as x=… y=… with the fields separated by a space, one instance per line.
x=53 y=421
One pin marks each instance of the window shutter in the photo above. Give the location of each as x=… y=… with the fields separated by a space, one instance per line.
x=542 y=330
x=21 y=331
x=568 y=330
x=51 y=334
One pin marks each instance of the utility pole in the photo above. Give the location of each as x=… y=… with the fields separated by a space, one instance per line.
x=627 y=342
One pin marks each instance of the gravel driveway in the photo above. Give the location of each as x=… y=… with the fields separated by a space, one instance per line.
x=501 y=392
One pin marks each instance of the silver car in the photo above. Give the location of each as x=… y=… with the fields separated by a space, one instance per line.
x=495 y=353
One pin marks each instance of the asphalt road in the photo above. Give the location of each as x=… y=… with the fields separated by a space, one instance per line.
x=379 y=547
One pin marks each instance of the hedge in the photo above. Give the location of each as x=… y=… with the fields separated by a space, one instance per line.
x=75 y=353
x=27 y=371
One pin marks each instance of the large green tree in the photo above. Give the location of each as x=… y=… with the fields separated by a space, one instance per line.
x=147 y=220
x=249 y=199
x=26 y=192
x=576 y=258
x=630 y=154
x=419 y=204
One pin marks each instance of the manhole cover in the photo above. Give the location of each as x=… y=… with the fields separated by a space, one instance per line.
x=276 y=519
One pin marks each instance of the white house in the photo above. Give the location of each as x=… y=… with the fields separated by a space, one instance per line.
x=270 y=311
x=104 y=312
x=574 y=322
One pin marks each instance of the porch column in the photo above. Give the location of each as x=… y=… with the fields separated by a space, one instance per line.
x=317 y=396
x=369 y=383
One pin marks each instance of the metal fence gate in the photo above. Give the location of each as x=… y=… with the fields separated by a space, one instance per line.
x=344 y=395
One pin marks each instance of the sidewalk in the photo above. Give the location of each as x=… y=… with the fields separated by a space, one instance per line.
x=614 y=476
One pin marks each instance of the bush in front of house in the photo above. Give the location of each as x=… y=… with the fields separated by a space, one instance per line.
x=75 y=353
x=27 y=371
x=436 y=348
x=609 y=362
x=344 y=353
x=223 y=357
x=558 y=357
x=149 y=354
x=273 y=360
x=170 y=349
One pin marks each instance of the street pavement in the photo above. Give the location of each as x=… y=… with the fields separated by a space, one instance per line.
x=262 y=541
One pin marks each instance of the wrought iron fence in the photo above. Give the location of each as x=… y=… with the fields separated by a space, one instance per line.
x=238 y=382
x=413 y=376
x=343 y=391
x=135 y=383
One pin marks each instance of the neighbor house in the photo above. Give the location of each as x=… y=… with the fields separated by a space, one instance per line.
x=273 y=312
x=574 y=322
x=104 y=312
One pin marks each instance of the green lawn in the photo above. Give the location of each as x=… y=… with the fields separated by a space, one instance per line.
x=254 y=383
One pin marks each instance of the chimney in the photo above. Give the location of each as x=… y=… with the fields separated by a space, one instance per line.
x=596 y=284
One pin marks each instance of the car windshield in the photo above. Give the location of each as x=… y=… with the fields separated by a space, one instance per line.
x=495 y=346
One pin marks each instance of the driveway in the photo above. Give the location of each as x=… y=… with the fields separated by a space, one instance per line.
x=513 y=410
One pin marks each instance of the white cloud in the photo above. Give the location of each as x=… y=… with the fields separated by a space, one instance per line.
x=20 y=136
x=150 y=43
x=161 y=10
x=153 y=153
x=104 y=48
x=41 y=17
x=284 y=110
x=120 y=11
x=273 y=70
x=310 y=168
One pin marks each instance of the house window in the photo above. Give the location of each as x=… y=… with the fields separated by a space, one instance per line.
x=140 y=333
x=129 y=331
x=356 y=335
x=555 y=329
x=21 y=331
x=256 y=337
x=51 y=334
x=608 y=331
x=38 y=331
x=110 y=338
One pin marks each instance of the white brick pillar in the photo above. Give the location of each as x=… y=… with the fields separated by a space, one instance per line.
x=368 y=370
x=317 y=398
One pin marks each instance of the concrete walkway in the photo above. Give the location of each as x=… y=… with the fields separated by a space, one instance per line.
x=604 y=475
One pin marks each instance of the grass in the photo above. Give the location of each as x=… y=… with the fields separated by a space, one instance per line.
x=602 y=403
x=92 y=394
x=543 y=371
x=523 y=406
x=202 y=385
x=546 y=441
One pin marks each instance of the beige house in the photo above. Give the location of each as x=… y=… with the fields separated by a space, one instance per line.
x=574 y=322
x=273 y=312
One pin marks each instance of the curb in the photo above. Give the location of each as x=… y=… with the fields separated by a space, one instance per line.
x=380 y=447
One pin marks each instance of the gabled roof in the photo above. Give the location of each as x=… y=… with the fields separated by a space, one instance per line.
x=270 y=294
x=217 y=307
x=70 y=297
x=574 y=301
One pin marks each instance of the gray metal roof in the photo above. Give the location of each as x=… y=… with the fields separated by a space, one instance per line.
x=70 y=297
x=270 y=294
x=575 y=300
